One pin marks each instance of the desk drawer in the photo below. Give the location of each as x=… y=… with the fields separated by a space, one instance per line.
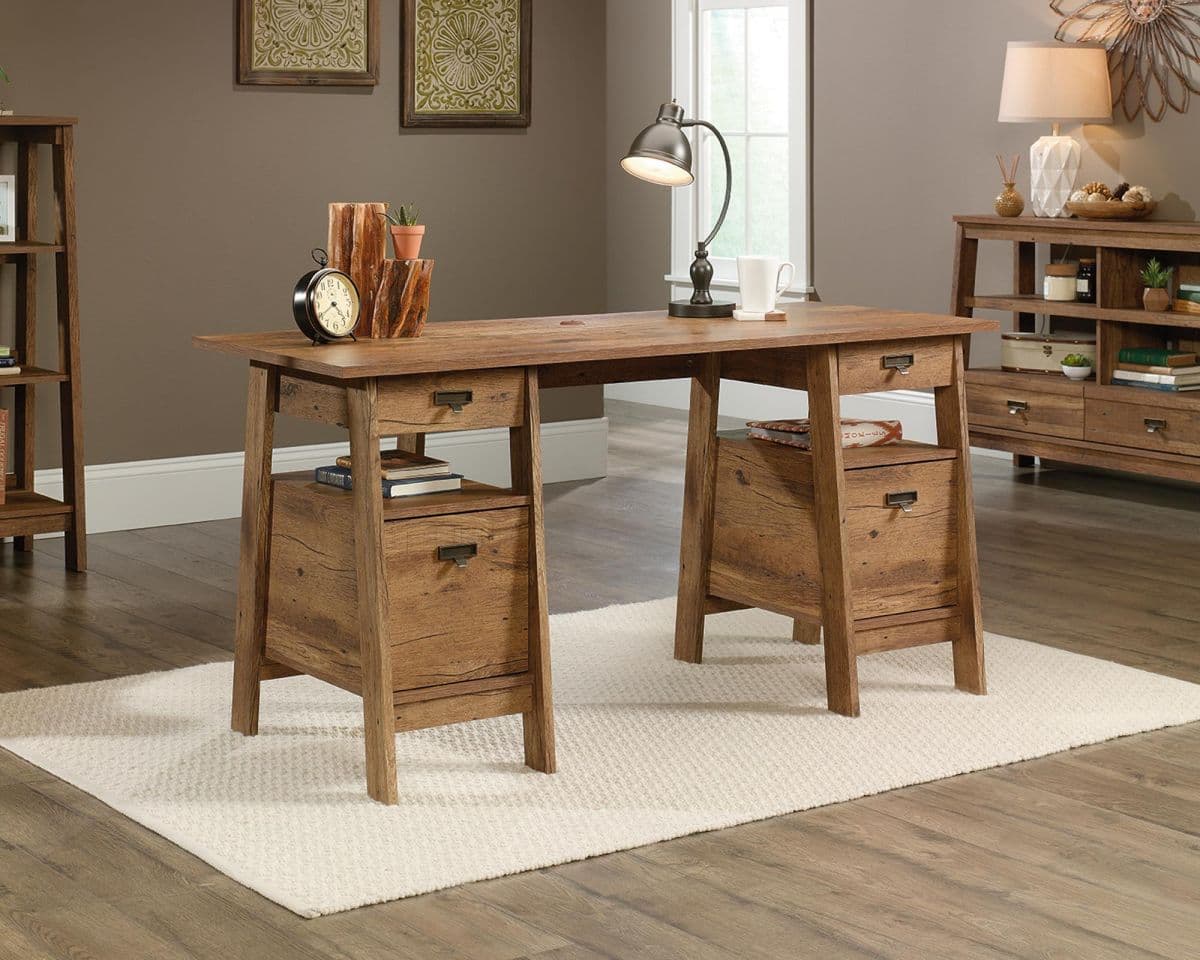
x=765 y=549
x=442 y=402
x=1143 y=425
x=458 y=596
x=1050 y=414
x=895 y=365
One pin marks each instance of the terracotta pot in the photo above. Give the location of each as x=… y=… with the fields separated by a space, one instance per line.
x=406 y=241
x=1155 y=299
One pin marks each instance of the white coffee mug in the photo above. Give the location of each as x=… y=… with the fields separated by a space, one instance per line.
x=760 y=281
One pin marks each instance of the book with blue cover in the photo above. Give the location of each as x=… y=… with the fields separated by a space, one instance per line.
x=335 y=476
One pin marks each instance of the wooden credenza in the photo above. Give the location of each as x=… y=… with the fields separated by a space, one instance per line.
x=1092 y=422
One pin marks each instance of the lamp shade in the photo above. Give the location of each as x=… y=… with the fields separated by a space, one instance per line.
x=1056 y=81
x=661 y=153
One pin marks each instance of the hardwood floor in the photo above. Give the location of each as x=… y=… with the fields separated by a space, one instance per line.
x=1091 y=854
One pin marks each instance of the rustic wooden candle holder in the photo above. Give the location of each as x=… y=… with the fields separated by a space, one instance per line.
x=401 y=301
x=358 y=247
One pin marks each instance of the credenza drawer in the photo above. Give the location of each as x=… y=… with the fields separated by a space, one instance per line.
x=895 y=365
x=1144 y=425
x=443 y=402
x=458 y=596
x=1051 y=414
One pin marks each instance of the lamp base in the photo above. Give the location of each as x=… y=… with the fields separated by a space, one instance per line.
x=699 y=311
x=1053 y=166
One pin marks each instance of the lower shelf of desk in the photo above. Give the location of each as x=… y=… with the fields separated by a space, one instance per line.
x=459 y=631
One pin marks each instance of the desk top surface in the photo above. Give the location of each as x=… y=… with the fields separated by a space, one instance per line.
x=541 y=341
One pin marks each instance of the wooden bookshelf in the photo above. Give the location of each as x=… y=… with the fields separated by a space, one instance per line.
x=26 y=513
x=1092 y=422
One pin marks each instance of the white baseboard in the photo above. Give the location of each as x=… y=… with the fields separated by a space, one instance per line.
x=155 y=493
x=752 y=401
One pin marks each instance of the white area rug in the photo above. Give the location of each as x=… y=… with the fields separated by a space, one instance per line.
x=648 y=749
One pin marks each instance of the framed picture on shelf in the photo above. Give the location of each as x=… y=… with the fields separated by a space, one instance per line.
x=307 y=43
x=466 y=63
x=8 y=208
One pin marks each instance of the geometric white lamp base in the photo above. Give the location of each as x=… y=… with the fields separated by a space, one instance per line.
x=1053 y=166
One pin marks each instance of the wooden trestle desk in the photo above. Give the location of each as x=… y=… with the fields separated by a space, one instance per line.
x=433 y=608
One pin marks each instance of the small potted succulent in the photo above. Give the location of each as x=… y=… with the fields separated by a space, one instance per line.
x=4 y=111
x=1156 y=277
x=406 y=232
x=1077 y=366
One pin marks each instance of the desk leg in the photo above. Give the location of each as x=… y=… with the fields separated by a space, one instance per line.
x=251 y=630
x=951 y=408
x=699 y=500
x=829 y=488
x=525 y=452
x=804 y=631
x=375 y=650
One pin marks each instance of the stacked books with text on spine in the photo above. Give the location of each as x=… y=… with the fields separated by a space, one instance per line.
x=1187 y=297
x=855 y=433
x=404 y=474
x=1168 y=371
x=8 y=362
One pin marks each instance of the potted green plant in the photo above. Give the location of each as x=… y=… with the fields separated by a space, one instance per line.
x=1077 y=366
x=4 y=111
x=1155 y=278
x=407 y=234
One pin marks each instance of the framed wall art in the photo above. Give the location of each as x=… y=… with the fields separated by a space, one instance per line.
x=466 y=63
x=308 y=42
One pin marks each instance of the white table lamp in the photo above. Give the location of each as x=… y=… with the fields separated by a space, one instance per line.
x=1056 y=82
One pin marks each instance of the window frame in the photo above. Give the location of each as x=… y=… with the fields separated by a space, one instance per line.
x=686 y=203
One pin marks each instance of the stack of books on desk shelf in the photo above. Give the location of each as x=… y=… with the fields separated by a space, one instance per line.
x=1169 y=371
x=8 y=362
x=403 y=474
x=1187 y=299
x=855 y=433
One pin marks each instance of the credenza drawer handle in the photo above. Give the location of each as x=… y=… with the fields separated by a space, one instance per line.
x=1154 y=425
x=900 y=362
x=904 y=500
x=459 y=553
x=454 y=399
x=1018 y=406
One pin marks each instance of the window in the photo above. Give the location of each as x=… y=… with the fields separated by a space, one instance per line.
x=742 y=65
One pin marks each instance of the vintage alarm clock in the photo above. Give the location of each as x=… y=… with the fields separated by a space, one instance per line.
x=325 y=303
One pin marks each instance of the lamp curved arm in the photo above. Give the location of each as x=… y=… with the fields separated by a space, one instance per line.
x=728 y=174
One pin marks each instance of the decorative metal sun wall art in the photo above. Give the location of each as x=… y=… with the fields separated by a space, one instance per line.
x=1153 y=46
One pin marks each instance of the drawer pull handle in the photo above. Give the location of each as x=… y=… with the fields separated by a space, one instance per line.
x=900 y=362
x=903 y=500
x=1017 y=406
x=1154 y=425
x=454 y=399
x=459 y=553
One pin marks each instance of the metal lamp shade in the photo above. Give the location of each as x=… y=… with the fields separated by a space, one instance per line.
x=661 y=154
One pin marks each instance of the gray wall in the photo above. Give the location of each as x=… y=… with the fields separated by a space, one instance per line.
x=904 y=131
x=199 y=201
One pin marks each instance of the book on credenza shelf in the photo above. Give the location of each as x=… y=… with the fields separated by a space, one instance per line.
x=1186 y=306
x=411 y=487
x=855 y=433
x=1157 y=358
x=400 y=465
x=1168 y=379
x=1170 y=371
x=1161 y=387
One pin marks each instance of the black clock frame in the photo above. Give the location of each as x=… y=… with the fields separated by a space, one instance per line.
x=303 y=310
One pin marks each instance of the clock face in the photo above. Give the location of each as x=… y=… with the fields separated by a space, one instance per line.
x=335 y=304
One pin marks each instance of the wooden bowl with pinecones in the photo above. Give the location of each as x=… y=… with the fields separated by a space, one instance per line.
x=1097 y=202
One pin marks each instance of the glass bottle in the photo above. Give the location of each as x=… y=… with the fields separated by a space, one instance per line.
x=1085 y=281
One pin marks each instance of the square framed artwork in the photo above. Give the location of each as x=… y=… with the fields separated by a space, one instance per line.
x=8 y=208
x=308 y=42
x=467 y=63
